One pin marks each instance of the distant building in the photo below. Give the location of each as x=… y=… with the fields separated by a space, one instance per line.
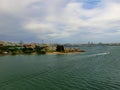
x=29 y=46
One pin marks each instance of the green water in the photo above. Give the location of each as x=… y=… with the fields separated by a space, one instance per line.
x=97 y=69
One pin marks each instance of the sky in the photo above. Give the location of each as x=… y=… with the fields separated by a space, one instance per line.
x=60 y=21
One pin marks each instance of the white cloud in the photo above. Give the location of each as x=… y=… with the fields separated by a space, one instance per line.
x=66 y=18
x=15 y=6
x=39 y=26
x=98 y=20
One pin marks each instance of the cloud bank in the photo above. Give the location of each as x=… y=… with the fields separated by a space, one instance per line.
x=62 y=21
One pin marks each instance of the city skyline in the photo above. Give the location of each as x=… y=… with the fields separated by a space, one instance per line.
x=60 y=21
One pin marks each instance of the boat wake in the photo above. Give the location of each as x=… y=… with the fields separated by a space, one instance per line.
x=100 y=54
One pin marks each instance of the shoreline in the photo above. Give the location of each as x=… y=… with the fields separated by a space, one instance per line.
x=47 y=53
x=62 y=53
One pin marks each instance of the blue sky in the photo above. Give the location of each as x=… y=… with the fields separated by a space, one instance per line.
x=60 y=21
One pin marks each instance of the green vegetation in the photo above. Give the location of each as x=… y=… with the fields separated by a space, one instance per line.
x=60 y=48
x=40 y=50
x=35 y=49
x=14 y=50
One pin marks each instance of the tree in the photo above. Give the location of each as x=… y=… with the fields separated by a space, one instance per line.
x=60 y=48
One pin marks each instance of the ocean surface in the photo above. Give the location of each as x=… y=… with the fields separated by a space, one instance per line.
x=96 y=69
